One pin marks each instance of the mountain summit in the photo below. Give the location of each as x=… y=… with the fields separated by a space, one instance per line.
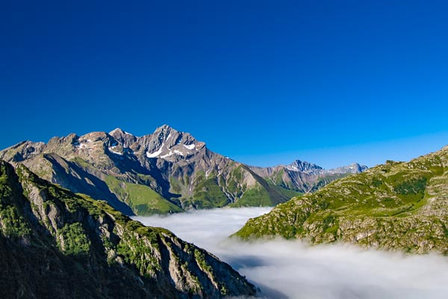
x=164 y=172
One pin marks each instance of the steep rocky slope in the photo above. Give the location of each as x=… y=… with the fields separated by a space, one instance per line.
x=164 y=172
x=397 y=205
x=55 y=244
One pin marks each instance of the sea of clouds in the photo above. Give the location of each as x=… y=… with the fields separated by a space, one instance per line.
x=291 y=269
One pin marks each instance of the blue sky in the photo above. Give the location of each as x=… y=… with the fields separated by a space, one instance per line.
x=264 y=82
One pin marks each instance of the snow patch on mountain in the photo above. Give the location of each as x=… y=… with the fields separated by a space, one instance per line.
x=189 y=146
x=155 y=154
x=167 y=155
x=179 y=153
x=113 y=151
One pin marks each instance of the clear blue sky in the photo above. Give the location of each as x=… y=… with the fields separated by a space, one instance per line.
x=260 y=81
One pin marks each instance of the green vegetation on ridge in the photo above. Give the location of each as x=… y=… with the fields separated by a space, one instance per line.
x=54 y=243
x=397 y=205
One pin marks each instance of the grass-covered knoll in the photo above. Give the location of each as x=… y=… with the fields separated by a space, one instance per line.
x=396 y=205
x=54 y=243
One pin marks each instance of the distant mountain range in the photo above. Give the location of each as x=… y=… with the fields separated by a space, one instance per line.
x=164 y=172
x=397 y=205
x=303 y=176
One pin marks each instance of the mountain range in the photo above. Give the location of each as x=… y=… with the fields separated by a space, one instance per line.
x=167 y=171
x=64 y=231
x=395 y=206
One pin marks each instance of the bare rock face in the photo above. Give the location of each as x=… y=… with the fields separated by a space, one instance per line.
x=23 y=151
x=54 y=243
x=164 y=172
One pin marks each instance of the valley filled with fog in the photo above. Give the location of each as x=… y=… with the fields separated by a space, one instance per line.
x=290 y=269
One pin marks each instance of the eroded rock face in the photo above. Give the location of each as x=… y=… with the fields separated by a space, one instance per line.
x=397 y=206
x=56 y=244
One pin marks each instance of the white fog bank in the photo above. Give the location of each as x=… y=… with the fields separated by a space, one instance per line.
x=290 y=269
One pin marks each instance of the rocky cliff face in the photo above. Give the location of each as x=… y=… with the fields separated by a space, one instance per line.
x=402 y=206
x=56 y=244
x=164 y=172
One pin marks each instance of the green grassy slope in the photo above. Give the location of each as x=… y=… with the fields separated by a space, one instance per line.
x=142 y=199
x=393 y=206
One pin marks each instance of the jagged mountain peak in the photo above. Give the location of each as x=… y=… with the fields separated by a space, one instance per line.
x=169 y=144
x=124 y=138
x=307 y=167
x=359 y=166
x=116 y=131
x=303 y=166
x=304 y=176
x=165 y=132
x=168 y=133
x=95 y=136
x=164 y=127
x=119 y=132
x=69 y=138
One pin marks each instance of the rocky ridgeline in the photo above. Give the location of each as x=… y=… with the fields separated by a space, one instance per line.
x=164 y=172
x=55 y=244
x=303 y=176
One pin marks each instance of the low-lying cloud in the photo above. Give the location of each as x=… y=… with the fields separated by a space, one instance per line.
x=290 y=269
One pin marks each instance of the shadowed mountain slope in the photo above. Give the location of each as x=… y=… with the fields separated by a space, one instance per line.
x=56 y=244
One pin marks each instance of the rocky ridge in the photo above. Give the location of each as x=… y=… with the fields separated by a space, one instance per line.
x=305 y=177
x=56 y=244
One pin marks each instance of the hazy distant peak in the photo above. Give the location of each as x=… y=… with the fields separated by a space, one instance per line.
x=352 y=168
x=302 y=166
